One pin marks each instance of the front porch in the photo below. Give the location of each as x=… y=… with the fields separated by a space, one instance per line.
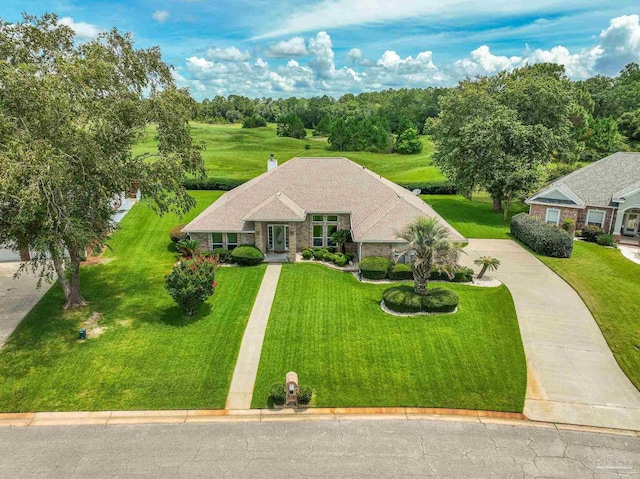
x=271 y=257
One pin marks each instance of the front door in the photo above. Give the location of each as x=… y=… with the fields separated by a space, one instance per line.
x=631 y=224
x=278 y=237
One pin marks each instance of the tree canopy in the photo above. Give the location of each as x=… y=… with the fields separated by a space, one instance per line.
x=69 y=115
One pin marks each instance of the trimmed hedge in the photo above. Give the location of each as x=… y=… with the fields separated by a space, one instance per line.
x=461 y=275
x=223 y=184
x=375 y=267
x=278 y=394
x=427 y=188
x=606 y=240
x=402 y=299
x=176 y=233
x=223 y=255
x=304 y=394
x=591 y=232
x=247 y=255
x=544 y=239
x=401 y=272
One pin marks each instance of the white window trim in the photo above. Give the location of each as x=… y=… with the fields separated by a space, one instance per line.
x=546 y=217
x=604 y=217
x=325 y=223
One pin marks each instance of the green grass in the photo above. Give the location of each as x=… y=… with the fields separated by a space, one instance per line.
x=234 y=152
x=609 y=284
x=329 y=328
x=150 y=355
x=473 y=218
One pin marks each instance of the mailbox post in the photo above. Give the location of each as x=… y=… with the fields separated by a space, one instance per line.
x=291 y=386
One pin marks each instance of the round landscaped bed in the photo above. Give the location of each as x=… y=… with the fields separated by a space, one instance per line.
x=404 y=300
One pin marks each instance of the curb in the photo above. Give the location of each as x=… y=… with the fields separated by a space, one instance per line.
x=189 y=416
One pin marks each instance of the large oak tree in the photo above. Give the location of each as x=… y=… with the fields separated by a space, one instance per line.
x=69 y=115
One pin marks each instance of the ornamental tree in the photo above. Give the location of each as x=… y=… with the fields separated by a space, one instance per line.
x=192 y=282
x=69 y=115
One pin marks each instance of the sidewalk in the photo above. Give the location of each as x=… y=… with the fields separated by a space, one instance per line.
x=246 y=370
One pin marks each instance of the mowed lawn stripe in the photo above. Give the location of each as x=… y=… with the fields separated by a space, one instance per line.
x=150 y=355
x=329 y=328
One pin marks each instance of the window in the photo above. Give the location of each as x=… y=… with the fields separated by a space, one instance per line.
x=595 y=217
x=232 y=240
x=317 y=235
x=553 y=216
x=332 y=218
x=216 y=240
x=404 y=258
x=318 y=218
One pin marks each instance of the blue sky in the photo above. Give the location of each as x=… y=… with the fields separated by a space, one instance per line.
x=288 y=48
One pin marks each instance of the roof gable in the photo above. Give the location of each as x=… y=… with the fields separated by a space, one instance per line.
x=278 y=207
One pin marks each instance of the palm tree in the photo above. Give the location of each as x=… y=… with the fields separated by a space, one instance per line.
x=488 y=264
x=187 y=247
x=429 y=242
x=340 y=237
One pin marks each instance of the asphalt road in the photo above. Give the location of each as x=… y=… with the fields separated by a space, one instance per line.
x=344 y=448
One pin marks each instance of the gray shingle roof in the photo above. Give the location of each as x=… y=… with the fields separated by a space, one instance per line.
x=598 y=184
x=378 y=206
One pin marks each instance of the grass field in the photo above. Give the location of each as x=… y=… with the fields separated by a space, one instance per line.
x=609 y=284
x=234 y=152
x=329 y=328
x=473 y=218
x=150 y=356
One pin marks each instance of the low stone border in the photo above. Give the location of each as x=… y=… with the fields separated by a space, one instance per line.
x=384 y=308
x=485 y=282
x=350 y=267
x=290 y=415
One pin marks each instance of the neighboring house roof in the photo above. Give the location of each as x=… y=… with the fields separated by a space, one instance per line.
x=597 y=184
x=378 y=207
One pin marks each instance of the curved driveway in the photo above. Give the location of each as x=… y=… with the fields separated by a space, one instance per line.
x=572 y=374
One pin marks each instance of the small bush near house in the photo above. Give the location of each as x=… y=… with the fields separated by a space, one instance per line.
x=349 y=256
x=591 y=232
x=606 y=240
x=192 y=282
x=375 y=267
x=223 y=255
x=328 y=257
x=176 y=233
x=568 y=225
x=307 y=254
x=319 y=253
x=401 y=272
x=247 y=255
x=403 y=299
x=341 y=261
x=278 y=394
x=544 y=239
x=304 y=394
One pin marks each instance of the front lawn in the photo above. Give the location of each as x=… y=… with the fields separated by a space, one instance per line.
x=150 y=356
x=609 y=284
x=329 y=328
x=473 y=218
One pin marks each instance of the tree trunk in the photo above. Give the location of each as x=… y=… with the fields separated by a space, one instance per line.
x=75 y=299
x=507 y=205
x=60 y=271
x=497 y=205
x=483 y=271
x=421 y=278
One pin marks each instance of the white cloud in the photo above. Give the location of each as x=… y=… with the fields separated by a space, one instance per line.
x=83 y=30
x=288 y=48
x=483 y=62
x=321 y=49
x=620 y=44
x=229 y=54
x=577 y=65
x=342 y=13
x=160 y=16
x=354 y=55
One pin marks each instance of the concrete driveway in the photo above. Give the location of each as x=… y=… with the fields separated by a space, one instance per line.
x=17 y=297
x=572 y=374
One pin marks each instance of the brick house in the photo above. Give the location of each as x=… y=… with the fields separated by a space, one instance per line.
x=302 y=202
x=605 y=193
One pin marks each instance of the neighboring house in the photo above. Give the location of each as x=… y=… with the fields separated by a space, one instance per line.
x=605 y=193
x=302 y=202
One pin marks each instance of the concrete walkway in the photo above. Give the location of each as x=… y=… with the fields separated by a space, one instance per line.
x=630 y=252
x=244 y=375
x=572 y=374
x=17 y=297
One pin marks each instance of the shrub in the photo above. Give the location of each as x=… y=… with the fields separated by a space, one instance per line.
x=591 y=232
x=187 y=247
x=375 y=267
x=440 y=300
x=541 y=237
x=568 y=225
x=341 y=261
x=304 y=394
x=402 y=299
x=319 y=253
x=307 y=254
x=408 y=142
x=176 y=233
x=247 y=255
x=329 y=257
x=223 y=184
x=291 y=125
x=192 y=282
x=278 y=394
x=254 y=121
x=462 y=275
x=349 y=256
x=400 y=272
x=223 y=255
x=428 y=188
x=605 y=239
x=307 y=146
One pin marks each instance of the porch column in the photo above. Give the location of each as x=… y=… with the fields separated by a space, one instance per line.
x=618 y=224
x=259 y=235
x=293 y=243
